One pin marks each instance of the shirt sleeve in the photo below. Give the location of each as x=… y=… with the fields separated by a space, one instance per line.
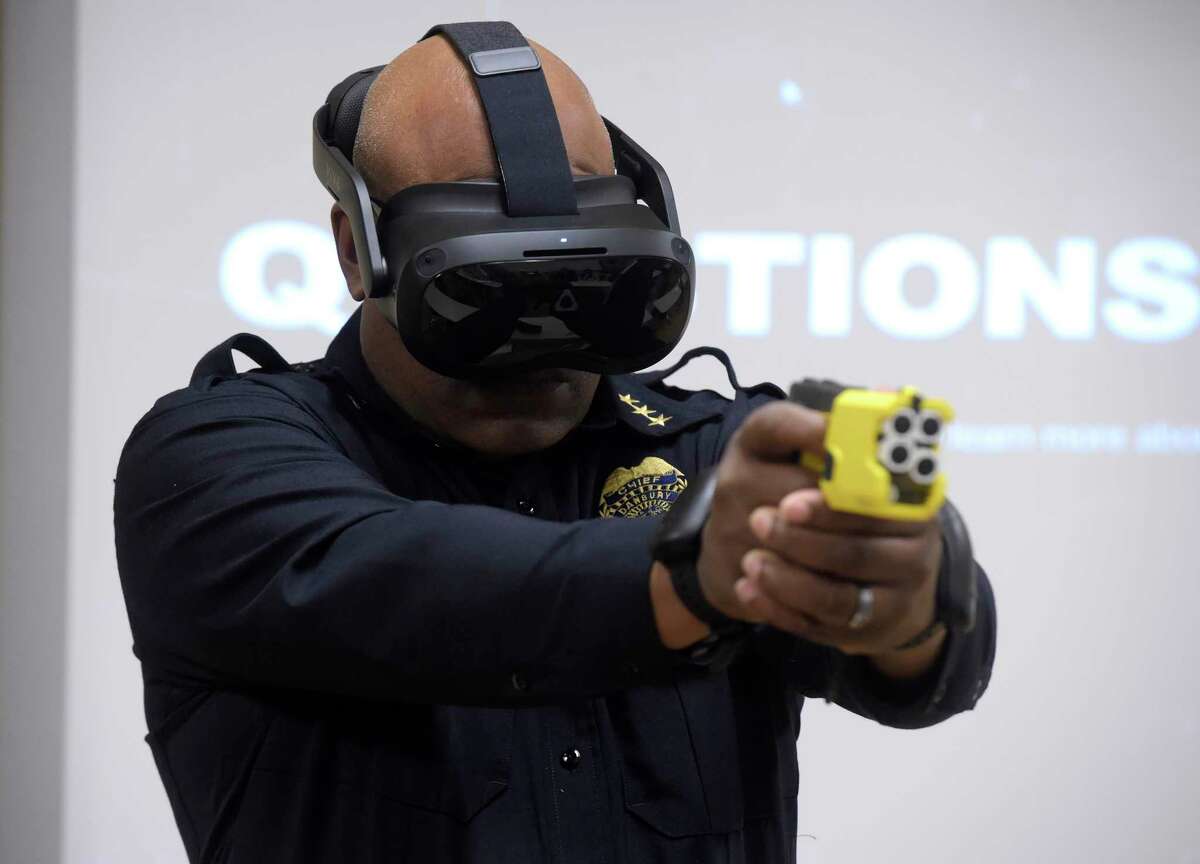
x=253 y=551
x=952 y=685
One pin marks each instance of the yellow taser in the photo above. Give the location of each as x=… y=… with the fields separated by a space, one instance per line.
x=882 y=449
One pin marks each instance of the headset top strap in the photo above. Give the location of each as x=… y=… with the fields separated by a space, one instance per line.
x=534 y=171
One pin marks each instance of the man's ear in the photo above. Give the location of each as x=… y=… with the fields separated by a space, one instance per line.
x=347 y=257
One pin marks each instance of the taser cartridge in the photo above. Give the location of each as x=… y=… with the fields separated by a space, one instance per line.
x=882 y=449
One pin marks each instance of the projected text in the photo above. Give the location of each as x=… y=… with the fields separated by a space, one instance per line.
x=1143 y=289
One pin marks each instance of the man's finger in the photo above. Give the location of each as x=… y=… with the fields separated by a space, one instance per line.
x=754 y=484
x=770 y=611
x=875 y=559
x=828 y=601
x=790 y=597
x=781 y=430
x=807 y=507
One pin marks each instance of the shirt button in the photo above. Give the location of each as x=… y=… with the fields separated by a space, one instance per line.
x=526 y=507
x=570 y=759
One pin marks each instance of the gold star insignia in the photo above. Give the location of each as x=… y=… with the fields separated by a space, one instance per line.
x=660 y=420
x=643 y=411
x=628 y=399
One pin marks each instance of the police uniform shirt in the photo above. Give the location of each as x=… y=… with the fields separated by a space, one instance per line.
x=360 y=644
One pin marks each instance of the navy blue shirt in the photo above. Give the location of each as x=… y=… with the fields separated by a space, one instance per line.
x=361 y=644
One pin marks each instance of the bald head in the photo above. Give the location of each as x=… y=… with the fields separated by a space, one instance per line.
x=422 y=121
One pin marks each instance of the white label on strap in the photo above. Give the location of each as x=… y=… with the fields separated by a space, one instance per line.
x=504 y=60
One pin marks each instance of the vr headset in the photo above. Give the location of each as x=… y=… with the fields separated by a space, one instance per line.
x=541 y=269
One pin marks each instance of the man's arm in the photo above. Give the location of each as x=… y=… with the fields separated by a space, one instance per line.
x=252 y=551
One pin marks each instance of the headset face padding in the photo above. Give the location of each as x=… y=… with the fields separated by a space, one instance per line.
x=345 y=103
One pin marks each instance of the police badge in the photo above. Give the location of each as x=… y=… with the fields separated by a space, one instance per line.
x=647 y=489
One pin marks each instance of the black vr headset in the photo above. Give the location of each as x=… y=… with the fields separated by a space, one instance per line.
x=540 y=269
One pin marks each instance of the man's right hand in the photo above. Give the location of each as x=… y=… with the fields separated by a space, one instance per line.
x=759 y=467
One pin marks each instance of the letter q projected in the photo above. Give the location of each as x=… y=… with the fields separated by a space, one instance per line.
x=313 y=302
x=955 y=275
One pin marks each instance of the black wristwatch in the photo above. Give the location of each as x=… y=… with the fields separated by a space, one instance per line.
x=676 y=545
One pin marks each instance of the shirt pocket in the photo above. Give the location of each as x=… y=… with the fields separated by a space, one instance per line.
x=450 y=760
x=700 y=755
x=372 y=782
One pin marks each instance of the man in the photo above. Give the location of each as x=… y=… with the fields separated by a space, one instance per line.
x=450 y=642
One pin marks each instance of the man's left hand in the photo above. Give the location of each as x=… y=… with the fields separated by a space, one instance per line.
x=805 y=579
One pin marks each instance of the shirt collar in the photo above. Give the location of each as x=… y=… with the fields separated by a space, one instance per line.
x=656 y=410
x=344 y=359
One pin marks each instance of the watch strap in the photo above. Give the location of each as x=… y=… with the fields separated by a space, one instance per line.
x=686 y=581
x=718 y=649
x=677 y=546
